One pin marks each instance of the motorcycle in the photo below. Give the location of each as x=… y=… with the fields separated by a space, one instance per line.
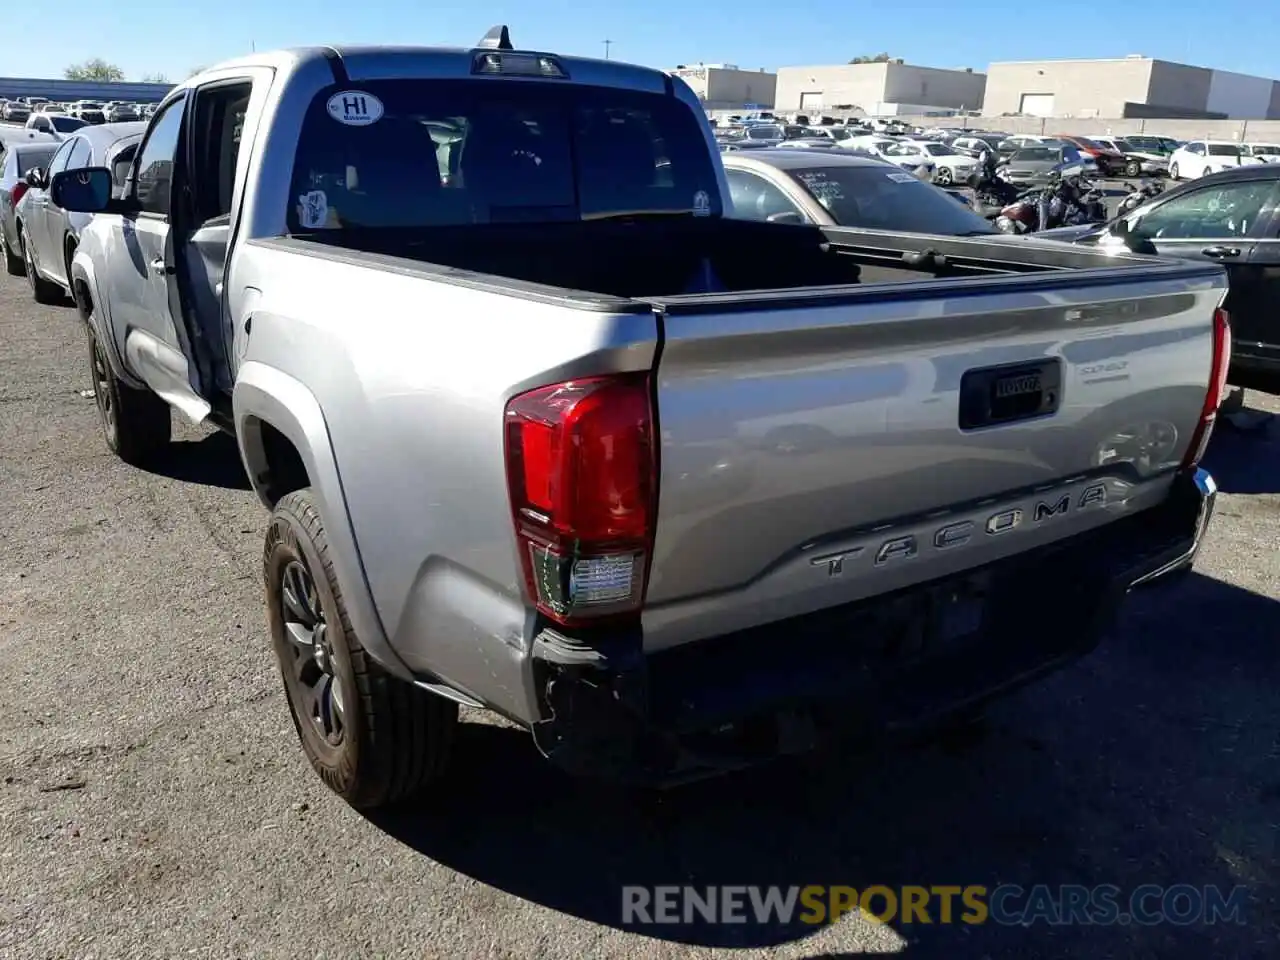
x=1137 y=196
x=1060 y=203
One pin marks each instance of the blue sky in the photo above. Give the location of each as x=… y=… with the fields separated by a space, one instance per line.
x=146 y=36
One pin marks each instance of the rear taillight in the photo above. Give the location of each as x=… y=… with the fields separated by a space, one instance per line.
x=16 y=194
x=582 y=473
x=1217 y=388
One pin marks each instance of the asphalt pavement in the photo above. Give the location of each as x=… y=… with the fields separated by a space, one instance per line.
x=154 y=801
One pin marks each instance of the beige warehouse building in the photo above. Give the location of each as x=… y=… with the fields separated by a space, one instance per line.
x=1134 y=86
x=878 y=89
x=723 y=86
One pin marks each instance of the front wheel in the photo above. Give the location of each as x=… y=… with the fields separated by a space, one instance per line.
x=944 y=176
x=135 y=423
x=1173 y=171
x=1207 y=171
x=1133 y=169
x=372 y=738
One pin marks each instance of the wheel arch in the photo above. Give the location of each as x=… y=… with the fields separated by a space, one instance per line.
x=285 y=445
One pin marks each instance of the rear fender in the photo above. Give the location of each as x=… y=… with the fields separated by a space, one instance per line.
x=264 y=394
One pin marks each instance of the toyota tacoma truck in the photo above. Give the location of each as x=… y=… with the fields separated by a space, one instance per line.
x=543 y=431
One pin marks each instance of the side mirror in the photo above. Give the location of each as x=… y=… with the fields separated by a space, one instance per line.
x=785 y=216
x=35 y=178
x=87 y=190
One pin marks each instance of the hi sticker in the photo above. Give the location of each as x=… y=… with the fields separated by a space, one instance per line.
x=313 y=210
x=355 y=108
x=701 y=204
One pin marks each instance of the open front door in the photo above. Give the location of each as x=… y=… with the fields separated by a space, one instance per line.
x=144 y=290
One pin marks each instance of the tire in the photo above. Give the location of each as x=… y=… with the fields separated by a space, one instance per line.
x=13 y=264
x=1133 y=169
x=42 y=290
x=944 y=177
x=1173 y=171
x=372 y=738
x=136 y=424
x=1207 y=171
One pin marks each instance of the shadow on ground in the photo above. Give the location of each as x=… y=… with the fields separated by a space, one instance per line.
x=1244 y=454
x=1152 y=761
x=211 y=461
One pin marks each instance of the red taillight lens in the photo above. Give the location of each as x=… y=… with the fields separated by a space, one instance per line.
x=16 y=194
x=582 y=473
x=1217 y=388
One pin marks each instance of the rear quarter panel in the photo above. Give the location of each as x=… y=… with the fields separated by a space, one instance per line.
x=413 y=376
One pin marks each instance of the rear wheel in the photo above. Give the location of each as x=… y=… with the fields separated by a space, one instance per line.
x=135 y=423
x=13 y=264
x=1133 y=169
x=42 y=290
x=944 y=176
x=1173 y=171
x=373 y=739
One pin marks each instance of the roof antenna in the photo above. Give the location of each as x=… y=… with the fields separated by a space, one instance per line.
x=498 y=38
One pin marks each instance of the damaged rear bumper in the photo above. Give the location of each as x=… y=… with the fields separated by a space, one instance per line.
x=868 y=668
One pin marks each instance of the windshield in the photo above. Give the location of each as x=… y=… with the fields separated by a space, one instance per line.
x=936 y=149
x=65 y=124
x=90 y=106
x=1223 y=150
x=880 y=198
x=1036 y=155
x=839 y=133
x=444 y=153
x=764 y=131
x=1124 y=146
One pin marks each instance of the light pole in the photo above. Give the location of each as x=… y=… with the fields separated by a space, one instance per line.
x=607 y=45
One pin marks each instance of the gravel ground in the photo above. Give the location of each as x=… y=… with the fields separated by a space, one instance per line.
x=154 y=801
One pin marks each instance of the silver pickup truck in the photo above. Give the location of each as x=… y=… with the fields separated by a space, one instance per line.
x=542 y=430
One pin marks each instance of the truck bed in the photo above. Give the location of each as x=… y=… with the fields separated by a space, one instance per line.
x=667 y=257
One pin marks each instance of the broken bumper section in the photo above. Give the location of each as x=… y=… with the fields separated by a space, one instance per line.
x=866 y=669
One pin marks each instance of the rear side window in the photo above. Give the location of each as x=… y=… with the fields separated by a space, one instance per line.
x=29 y=159
x=446 y=153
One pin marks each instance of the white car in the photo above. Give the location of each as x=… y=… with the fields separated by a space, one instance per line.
x=875 y=146
x=1267 y=152
x=1199 y=158
x=949 y=166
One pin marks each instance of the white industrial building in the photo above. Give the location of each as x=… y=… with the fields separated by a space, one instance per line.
x=879 y=89
x=724 y=86
x=1133 y=86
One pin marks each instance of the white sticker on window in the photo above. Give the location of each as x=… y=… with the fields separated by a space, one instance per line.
x=902 y=177
x=313 y=210
x=355 y=108
x=701 y=204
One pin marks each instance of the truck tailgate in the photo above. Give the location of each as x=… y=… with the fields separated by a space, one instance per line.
x=817 y=454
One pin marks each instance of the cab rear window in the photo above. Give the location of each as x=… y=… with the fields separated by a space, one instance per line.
x=444 y=153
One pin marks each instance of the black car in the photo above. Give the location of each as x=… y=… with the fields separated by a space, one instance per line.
x=1231 y=218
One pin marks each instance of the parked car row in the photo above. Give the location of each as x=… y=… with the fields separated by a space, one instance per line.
x=38 y=238
x=25 y=109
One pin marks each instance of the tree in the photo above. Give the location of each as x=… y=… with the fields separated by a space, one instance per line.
x=878 y=58
x=154 y=78
x=96 y=69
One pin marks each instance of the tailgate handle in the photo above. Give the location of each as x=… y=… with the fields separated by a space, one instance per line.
x=992 y=396
x=1219 y=252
